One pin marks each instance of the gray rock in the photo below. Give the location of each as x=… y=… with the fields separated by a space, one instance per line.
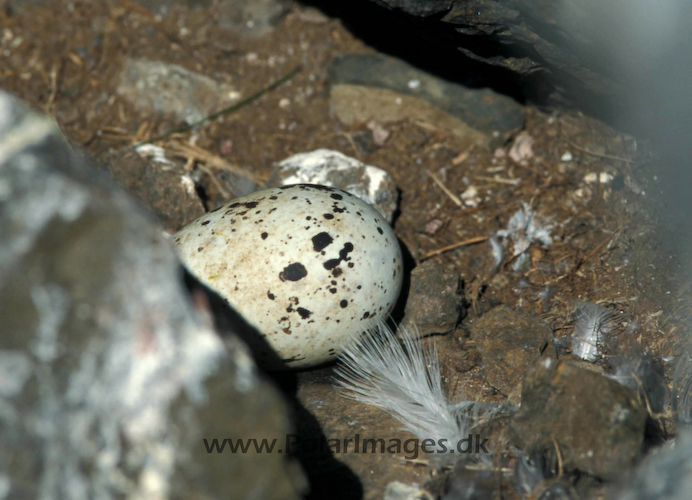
x=173 y=91
x=252 y=17
x=111 y=378
x=400 y=491
x=164 y=6
x=434 y=300
x=663 y=475
x=165 y=189
x=334 y=169
x=597 y=423
x=365 y=87
x=510 y=341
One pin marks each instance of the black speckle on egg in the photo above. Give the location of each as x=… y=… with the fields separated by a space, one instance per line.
x=200 y=249
x=336 y=196
x=304 y=313
x=331 y=264
x=348 y=248
x=251 y=204
x=343 y=303
x=337 y=272
x=264 y=235
x=205 y=222
x=379 y=230
x=321 y=241
x=271 y=296
x=293 y=272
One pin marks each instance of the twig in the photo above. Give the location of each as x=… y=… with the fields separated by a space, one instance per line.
x=461 y=157
x=137 y=8
x=511 y=182
x=600 y=155
x=451 y=195
x=214 y=180
x=559 y=456
x=224 y=111
x=212 y=160
x=591 y=254
x=54 y=75
x=471 y=241
x=350 y=140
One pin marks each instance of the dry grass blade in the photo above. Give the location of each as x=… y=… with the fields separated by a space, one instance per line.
x=444 y=188
x=211 y=160
x=470 y=241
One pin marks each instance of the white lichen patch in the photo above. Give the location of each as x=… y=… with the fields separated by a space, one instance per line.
x=334 y=169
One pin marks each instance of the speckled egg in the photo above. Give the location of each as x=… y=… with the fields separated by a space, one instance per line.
x=309 y=266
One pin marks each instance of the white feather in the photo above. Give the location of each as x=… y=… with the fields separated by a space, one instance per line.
x=592 y=325
x=403 y=379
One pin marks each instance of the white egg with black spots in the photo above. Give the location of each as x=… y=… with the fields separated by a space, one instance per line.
x=309 y=266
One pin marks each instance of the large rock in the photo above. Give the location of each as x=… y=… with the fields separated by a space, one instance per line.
x=596 y=424
x=510 y=341
x=374 y=87
x=434 y=302
x=165 y=189
x=111 y=379
x=172 y=91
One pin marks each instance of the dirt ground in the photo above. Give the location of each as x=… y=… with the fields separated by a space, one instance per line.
x=64 y=57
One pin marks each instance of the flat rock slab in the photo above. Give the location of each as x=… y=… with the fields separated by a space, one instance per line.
x=335 y=169
x=510 y=341
x=434 y=300
x=365 y=87
x=169 y=89
x=597 y=423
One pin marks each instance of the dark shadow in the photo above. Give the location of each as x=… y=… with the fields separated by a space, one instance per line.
x=406 y=37
x=409 y=262
x=328 y=477
x=229 y=322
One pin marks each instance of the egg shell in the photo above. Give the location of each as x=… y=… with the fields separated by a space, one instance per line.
x=309 y=266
